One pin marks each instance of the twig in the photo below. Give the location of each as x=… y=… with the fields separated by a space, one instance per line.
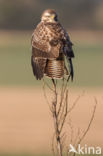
x=66 y=110
x=72 y=132
x=53 y=150
x=75 y=102
x=90 y=122
x=64 y=86
x=46 y=96
x=48 y=85
x=57 y=133
x=62 y=97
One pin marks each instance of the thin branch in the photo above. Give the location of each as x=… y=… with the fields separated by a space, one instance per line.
x=48 y=85
x=62 y=97
x=53 y=150
x=75 y=102
x=90 y=122
x=57 y=133
x=72 y=131
x=78 y=136
x=63 y=138
x=62 y=112
x=66 y=110
x=46 y=96
x=63 y=90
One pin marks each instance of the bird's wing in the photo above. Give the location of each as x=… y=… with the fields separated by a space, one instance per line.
x=68 y=46
x=44 y=42
x=38 y=66
x=68 y=52
x=44 y=45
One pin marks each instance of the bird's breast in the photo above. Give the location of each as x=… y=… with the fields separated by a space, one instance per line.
x=55 y=68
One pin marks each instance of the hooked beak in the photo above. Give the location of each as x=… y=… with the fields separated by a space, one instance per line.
x=52 y=17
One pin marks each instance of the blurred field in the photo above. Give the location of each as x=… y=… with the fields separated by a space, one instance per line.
x=40 y=155
x=25 y=121
x=15 y=56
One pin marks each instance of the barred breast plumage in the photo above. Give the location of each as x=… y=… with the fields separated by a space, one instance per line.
x=56 y=68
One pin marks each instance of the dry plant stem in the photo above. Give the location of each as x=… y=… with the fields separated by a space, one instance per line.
x=75 y=102
x=63 y=106
x=59 y=112
x=54 y=111
x=90 y=122
x=80 y=136
x=66 y=110
x=62 y=94
x=46 y=95
x=53 y=148
x=88 y=127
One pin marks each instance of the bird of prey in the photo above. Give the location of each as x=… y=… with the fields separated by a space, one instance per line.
x=50 y=46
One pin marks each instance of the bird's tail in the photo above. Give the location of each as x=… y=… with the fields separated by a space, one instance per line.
x=71 y=68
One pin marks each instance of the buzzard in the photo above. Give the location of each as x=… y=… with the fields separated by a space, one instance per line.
x=50 y=46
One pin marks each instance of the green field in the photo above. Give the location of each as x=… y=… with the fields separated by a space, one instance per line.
x=15 y=61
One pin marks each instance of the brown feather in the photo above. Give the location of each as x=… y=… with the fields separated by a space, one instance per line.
x=50 y=43
x=55 y=68
x=38 y=66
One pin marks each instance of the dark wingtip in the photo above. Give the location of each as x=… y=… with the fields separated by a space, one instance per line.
x=71 y=69
x=36 y=71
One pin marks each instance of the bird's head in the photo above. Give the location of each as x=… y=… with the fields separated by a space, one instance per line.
x=49 y=15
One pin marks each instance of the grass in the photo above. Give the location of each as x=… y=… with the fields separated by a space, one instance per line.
x=15 y=64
